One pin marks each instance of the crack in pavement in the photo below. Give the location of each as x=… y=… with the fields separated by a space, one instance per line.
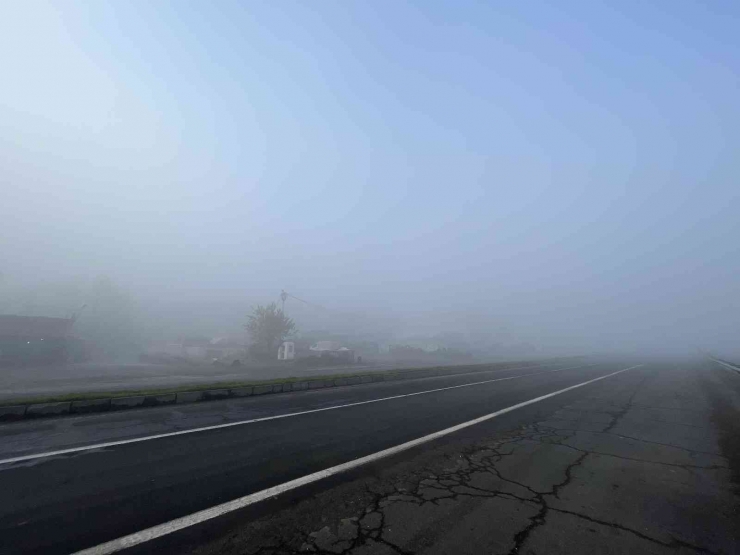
x=648 y=407
x=622 y=436
x=541 y=517
x=675 y=542
x=673 y=423
x=635 y=459
x=387 y=508
x=455 y=484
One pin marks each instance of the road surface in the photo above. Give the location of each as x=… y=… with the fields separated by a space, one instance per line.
x=633 y=456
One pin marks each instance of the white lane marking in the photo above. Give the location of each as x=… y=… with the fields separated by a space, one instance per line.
x=201 y=516
x=726 y=364
x=266 y=418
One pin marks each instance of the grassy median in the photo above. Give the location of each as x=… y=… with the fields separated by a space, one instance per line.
x=87 y=396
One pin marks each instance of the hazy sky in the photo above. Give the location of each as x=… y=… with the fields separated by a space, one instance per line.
x=571 y=167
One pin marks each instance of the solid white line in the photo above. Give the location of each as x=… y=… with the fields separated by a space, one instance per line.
x=726 y=365
x=264 y=418
x=219 y=510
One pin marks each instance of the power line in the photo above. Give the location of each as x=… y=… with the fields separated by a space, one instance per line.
x=284 y=295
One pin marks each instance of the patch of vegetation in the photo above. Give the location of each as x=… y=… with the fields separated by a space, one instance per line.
x=92 y=395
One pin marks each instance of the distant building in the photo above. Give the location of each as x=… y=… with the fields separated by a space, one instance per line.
x=225 y=348
x=34 y=339
x=197 y=349
x=325 y=346
x=333 y=349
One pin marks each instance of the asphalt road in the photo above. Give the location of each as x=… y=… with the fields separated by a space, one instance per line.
x=645 y=460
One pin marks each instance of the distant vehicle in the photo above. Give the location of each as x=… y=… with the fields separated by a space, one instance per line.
x=332 y=349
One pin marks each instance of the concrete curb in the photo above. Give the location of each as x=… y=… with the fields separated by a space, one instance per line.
x=189 y=397
x=48 y=409
x=120 y=403
x=92 y=405
x=88 y=406
x=13 y=412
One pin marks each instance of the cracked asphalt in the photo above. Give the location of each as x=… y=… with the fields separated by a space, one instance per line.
x=645 y=462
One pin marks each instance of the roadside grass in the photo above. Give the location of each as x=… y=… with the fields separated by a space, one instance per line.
x=92 y=395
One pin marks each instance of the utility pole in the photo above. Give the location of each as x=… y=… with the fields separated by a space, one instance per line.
x=283 y=296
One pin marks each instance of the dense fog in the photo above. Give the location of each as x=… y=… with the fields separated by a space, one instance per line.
x=502 y=180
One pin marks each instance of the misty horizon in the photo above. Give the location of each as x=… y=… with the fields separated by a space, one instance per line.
x=564 y=175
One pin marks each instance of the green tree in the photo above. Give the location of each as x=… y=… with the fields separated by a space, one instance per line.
x=268 y=326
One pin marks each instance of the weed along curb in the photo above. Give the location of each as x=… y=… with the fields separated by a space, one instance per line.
x=51 y=407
